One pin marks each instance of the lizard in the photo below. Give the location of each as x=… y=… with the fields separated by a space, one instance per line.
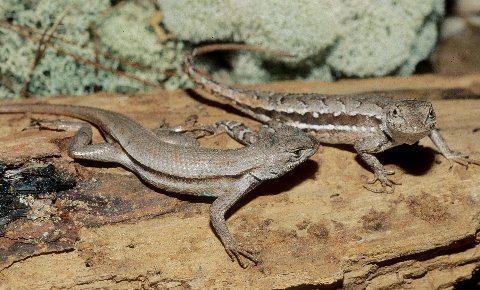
x=371 y=123
x=161 y=161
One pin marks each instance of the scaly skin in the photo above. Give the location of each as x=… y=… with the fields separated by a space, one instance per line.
x=187 y=169
x=371 y=124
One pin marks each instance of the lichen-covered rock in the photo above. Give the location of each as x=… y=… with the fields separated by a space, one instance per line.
x=117 y=38
x=127 y=34
x=329 y=37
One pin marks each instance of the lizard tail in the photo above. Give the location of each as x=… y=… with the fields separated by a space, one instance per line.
x=92 y=115
x=238 y=96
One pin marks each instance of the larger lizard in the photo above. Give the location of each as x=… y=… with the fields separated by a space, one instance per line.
x=225 y=174
x=371 y=124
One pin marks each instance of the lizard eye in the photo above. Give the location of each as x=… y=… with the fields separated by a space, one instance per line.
x=395 y=112
x=431 y=115
x=297 y=153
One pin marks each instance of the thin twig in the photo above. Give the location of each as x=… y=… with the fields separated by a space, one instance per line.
x=18 y=29
x=154 y=22
x=102 y=67
x=40 y=53
x=13 y=26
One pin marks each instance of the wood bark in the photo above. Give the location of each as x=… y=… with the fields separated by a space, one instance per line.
x=315 y=227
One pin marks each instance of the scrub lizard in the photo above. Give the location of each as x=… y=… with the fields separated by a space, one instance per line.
x=371 y=124
x=158 y=159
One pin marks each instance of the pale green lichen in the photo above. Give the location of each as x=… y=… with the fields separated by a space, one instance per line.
x=383 y=39
x=329 y=37
x=123 y=37
x=127 y=34
x=53 y=74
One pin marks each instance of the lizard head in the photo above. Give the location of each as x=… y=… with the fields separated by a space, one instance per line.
x=408 y=121
x=285 y=148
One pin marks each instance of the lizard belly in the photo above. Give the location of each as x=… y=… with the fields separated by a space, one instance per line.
x=207 y=186
x=341 y=137
x=214 y=187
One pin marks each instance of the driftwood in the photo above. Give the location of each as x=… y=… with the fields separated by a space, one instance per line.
x=317 y=226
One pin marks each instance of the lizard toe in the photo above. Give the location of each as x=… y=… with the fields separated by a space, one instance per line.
x=387 y=185
x=465 y=161
x=389 y=172
x=239 y=254
x=462 y=159
x=390 y=188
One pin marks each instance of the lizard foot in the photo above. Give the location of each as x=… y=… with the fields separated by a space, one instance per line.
x=237 y=253
x=55 y=125
x=460 y=158
x=196 y=131
x=387 y=185
x=35 y=124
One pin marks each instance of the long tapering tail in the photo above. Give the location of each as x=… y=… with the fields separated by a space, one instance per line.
x=223 y=91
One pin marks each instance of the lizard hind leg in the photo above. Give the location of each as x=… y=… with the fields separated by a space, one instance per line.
x=68 y=126
x=81 y=146
x=55 y=125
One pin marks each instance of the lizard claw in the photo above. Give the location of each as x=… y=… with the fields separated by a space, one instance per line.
x=388 y=185
x=237 y=253
x=196 y=131
x=35 y=124
x=390 y=172
x=386 y=188
x=53 y=125
x=460 y=158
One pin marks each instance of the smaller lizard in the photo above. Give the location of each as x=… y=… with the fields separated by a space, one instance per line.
x=159 y=159
x=371 y=124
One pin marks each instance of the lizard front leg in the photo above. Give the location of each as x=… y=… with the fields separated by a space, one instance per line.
x=183 y=136
x=237 y=131
x=218 y=211
x=365 y=149
x=454 y=156
x=176 y=137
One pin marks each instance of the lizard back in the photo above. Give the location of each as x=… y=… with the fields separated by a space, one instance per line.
x=331 y=118
x=171 y=159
